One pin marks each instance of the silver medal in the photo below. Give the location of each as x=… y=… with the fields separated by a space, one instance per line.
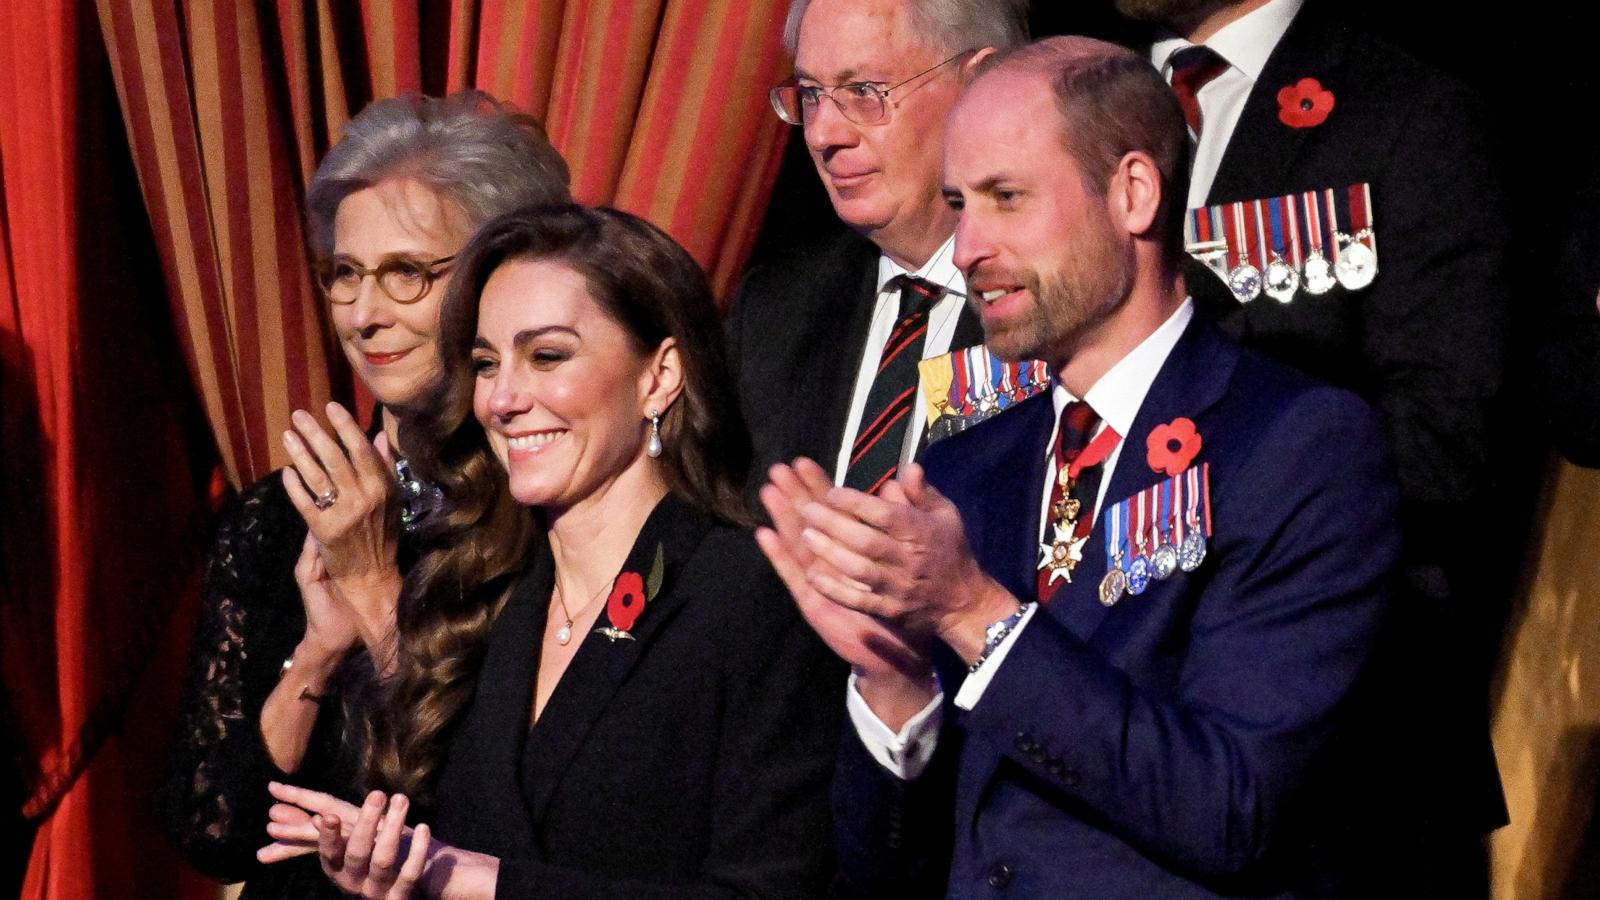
x=1281 y=280
x=1245 y=282
x=1193 y=551
x=1357 y=264
x=1319 y=273
x=1164 y=561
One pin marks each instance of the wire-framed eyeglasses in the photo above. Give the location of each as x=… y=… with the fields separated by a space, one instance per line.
x=862 y=102
x=404 y=279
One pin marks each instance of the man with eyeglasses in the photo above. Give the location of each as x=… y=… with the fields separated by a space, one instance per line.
x=826 y=341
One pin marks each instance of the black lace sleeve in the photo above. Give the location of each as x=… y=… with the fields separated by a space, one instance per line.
x=214 y=801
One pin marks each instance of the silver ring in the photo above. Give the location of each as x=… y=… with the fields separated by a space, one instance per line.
x=326 y=498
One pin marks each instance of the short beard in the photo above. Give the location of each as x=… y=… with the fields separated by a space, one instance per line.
x=1069 y=301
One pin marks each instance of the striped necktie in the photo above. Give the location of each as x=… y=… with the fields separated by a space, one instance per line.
x=875 y=454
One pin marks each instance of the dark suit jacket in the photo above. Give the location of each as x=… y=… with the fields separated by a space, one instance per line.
x=693 y=761
x=1424 y=343
x=796 y=331
x=1184 y=742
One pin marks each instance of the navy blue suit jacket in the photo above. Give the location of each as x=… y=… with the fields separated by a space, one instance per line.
x=1185 y=742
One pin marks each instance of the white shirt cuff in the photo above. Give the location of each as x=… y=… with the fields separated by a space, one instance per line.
x=977 y=682
x=906 y=754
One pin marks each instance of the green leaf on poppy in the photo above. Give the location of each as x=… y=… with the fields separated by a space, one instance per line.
x=658 y=570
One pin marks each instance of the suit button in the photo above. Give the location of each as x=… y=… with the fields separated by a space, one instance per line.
x=1000 y=876
x=1038 y=756
x=1055 y=768
x=1071 y=779
x=1026 y=744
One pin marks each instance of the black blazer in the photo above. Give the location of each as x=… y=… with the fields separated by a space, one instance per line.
x=796 y=331
x=692 y=761
x=1424 y=343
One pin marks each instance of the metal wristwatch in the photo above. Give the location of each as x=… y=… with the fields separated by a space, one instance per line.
x=996 y=634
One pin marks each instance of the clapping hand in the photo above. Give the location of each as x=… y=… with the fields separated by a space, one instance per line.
x=345 y=490
x=366 y=851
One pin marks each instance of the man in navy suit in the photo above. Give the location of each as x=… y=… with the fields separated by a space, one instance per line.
x=1150 y=595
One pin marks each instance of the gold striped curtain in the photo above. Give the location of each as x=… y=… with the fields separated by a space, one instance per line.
x=659 y=107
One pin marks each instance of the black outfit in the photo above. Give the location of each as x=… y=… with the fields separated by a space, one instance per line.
x=1567 y=359
x=215 y=801
x=691 y=761
x=1424 y=343
x=796 y=332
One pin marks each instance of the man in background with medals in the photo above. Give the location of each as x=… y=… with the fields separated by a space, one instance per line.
x=827 y=341
x=1152 y=593
x=1343 y=198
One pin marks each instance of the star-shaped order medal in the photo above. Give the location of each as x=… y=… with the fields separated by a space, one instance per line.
x=1062 y=553
x=1064 y=549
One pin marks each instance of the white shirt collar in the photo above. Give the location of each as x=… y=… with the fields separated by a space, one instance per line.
x=940 y=269
x=1245 y=42
x=1119 y=393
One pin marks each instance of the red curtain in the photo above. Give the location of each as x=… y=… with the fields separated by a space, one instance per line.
x=102 y=478
x=157 y=324
x=659 y=107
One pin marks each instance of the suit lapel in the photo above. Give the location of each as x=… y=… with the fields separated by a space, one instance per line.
x=1261 y=147
x=602 y=665
x=491 y=734
x=854 y=290
x=969 y=329
x=1191 y=381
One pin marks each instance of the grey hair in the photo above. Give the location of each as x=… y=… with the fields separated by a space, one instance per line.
x=953 y=25
x=469 y=148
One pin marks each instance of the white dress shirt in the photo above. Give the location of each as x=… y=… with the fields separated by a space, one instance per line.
x=1116 y=398
x=1245 y=43
x=940 y=270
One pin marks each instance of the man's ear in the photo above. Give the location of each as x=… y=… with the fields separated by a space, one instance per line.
x=662 y=379
x=973 y=64
x=1135 y=192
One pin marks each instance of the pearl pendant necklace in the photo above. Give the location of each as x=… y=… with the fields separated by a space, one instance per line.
x=563 y=634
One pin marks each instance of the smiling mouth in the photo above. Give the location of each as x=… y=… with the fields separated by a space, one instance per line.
x=383 y=359
x=532 y=442
x=994 y=294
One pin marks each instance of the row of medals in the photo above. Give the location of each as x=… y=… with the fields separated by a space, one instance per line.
x=1167 y=559
x=956 y=419
x=1354 y=267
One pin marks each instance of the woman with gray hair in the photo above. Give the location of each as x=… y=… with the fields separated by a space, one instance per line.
x=305 y=565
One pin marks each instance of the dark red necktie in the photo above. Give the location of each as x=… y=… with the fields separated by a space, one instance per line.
x=1192 y=69
x=1078 y=423
x=875 y=454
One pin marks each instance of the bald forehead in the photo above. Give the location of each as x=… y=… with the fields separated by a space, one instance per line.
x=1001 y=96
x=1053 y=57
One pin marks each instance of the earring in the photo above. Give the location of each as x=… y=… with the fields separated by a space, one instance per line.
x=654 y=447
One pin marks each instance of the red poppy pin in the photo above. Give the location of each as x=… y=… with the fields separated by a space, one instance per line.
x=1304 y=104
x=1173 y=446
x=629 y=594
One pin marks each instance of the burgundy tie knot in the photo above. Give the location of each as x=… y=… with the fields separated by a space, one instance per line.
x=1192 y=69
x=1078 y=422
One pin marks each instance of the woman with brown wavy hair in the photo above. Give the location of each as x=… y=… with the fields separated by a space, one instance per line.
x=603 y=688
